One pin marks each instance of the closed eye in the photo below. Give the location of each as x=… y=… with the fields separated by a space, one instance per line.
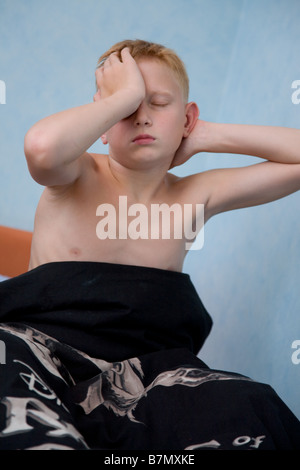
x=156 y=103
x=160 y=100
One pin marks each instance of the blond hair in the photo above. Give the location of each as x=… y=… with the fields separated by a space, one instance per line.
x=144 y=49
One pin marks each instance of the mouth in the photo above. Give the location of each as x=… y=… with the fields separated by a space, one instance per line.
x=143 y=139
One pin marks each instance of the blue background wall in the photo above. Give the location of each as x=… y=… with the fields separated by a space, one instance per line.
x=242 y=57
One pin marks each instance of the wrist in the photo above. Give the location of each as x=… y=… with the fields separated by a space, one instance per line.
x=123 y=103
x=216 y=137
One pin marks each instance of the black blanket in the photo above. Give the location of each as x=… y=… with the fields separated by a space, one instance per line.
x=104 y=356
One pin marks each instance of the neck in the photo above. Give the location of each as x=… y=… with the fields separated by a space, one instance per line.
x=142 y=184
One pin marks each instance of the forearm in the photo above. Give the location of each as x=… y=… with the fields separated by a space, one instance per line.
x=63 y=137
x=278 y=144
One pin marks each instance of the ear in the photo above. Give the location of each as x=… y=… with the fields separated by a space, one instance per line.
x=104 y=139
x=192 y=114
x=96 y=96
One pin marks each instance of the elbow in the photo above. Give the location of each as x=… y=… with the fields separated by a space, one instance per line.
x=37 y=149
x=39 y=156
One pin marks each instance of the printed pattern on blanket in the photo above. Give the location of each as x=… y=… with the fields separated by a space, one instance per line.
x=165 y=400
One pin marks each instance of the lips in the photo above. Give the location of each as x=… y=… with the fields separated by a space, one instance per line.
x=143 y=139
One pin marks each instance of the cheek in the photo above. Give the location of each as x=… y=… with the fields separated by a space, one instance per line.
x=114 y=133
x=175 y=119
x=174 y=125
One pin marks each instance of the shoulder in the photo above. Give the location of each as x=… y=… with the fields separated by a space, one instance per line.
x=93 y=163
x=92 y=166
x=191 y=189
x=188 y=184
x=226 y=189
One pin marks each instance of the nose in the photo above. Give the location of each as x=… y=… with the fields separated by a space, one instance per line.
x=142 y=116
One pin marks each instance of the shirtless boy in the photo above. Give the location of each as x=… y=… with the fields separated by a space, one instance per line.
x=141 y=110
x=102 y=335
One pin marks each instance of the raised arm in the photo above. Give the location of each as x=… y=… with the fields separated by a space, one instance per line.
x=55 y=146
x=234 y=188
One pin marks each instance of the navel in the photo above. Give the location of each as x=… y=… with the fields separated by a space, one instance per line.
x=75 y=251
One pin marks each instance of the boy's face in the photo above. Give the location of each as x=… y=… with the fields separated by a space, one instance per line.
x=154 y=132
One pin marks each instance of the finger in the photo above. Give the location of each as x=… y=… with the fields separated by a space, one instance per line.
x=125 y=53
x=114 y=57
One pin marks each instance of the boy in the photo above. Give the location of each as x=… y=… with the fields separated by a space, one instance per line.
x=135 y=99
x=150 y=98
x=149 y=323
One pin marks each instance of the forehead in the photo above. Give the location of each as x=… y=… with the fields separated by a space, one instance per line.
x=158 y=76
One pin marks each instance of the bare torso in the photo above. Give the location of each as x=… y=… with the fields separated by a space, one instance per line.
x=66 y=222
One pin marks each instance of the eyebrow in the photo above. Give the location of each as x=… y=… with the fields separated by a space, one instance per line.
x=163 y=94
